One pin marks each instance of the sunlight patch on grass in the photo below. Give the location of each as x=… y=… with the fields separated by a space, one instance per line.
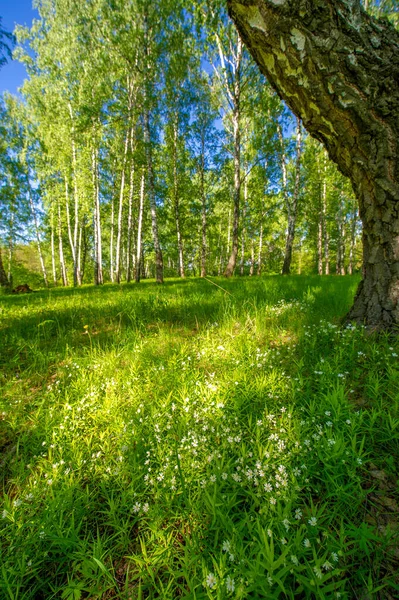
x=178 y=441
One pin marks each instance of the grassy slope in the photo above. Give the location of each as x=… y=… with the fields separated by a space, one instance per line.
x=181 y=441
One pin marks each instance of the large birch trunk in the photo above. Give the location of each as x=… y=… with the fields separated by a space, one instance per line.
x=337 y=68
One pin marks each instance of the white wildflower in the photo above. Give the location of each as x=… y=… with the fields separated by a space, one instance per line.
x=210 y=580
x=230 y=585
x=318 y=572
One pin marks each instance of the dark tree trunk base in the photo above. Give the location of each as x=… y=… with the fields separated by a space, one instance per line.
x=369 y=310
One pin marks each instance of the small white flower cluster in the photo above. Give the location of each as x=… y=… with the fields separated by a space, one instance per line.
x=140 y=509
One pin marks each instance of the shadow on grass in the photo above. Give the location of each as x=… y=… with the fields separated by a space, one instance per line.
x=51 y=321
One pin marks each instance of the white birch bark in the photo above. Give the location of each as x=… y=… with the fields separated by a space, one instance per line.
x=76 y=255
x=140 y=228
x=38 y=241
x=64 y=275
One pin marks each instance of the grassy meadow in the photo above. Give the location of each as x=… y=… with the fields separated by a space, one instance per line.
x=189 y=441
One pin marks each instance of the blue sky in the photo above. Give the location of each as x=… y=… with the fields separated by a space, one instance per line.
x=13 y=12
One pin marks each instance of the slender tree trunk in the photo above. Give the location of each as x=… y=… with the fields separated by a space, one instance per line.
x=300 y=258
x=176 y=202
x=76 y=256
x=325 y=229
x=84 y=247
x=244 y=211
x=69 y=227
x=352 y=242
x=320 y=243
x=350 y=265
x=237 y=167
x=128 y=141
x=148 y=151
x=140 y=228
x=220 y=264
x=228 y=236
x=342 y=270
x=260 y=250
x=10 y=250
x=64 y=276
x=53 y=266
x=79 y=260
x=153 y=206
x=236 y=197
x=123 y=258
x=203 y=205
x=98 y=275
x=219 y=253
x=52 y=245
x=339 y=265
x=120 y=212
x=338 y=73
x=111 y=243
x=291 y=203
x=129 y=245
x=143 y=266
x=252 y=265
x=4 y=281
x=39 y=245
x=179 y=243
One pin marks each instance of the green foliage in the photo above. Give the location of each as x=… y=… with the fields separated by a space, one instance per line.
x=204 y=439
x=6 y=42
x=384 y=8
x=77 y=148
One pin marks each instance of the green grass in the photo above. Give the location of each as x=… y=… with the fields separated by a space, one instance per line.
x=189 y=442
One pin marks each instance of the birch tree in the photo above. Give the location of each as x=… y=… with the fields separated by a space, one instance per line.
x=338 y=72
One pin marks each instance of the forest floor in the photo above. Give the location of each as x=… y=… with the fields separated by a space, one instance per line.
x=189 y=442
